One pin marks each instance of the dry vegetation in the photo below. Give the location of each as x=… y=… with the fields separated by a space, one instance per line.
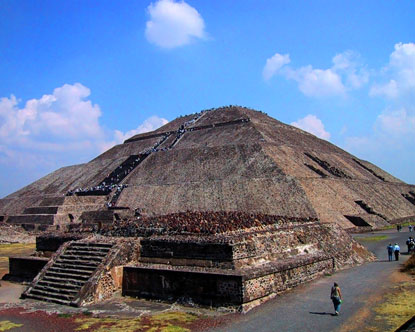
x=6 y=325
x=397 y=308
x=409 y=265
x=163 y=322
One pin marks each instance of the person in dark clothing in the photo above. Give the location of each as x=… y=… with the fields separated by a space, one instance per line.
x=390 y=248
x=396 y=250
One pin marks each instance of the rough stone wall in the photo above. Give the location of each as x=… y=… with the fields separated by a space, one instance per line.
x=288 y=275
x=212 y=289
x=106 y=280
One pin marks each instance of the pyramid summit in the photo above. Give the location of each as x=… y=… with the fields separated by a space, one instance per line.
x=226 y=159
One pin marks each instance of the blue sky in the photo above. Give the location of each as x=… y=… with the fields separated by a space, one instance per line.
x=77 y=77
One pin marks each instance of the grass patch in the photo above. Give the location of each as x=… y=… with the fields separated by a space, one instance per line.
x=372 y=238
x=65 y=315
x=405 y=224
x=6 y=325
x=172 y=321
x=397 y=308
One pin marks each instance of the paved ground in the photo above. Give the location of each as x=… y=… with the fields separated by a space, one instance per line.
x=309 y=308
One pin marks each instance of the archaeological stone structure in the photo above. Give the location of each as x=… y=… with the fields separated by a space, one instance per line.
x=224 y=207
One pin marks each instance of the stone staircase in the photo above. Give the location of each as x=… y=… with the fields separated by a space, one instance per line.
x=64 y=279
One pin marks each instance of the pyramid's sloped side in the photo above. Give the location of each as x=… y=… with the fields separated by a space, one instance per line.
x=270 y=196
x=385 y=199
x=222 y=115
x=334 y=197
x=372 y=168
x=205 y=164
x=296 y=161
x=230 y=178
x=278 y=133
x=60 y=181
x=242 y=133
x=127 y=149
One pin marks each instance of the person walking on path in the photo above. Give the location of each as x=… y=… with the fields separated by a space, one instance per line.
x=390 y=248
x=409 y=244
x=336 y=297
x=396 y=250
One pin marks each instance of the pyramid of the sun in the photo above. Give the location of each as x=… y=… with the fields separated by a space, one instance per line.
x=226 y=159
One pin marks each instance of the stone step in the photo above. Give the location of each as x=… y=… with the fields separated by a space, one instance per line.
x=71 y=271
x=92 y=245
x=91 y=249
x=80 y=262
x=86 y=268
x=63 y=281
x=78 y=252
x=58 y=285
x=67 y=275
x=42 y=219
x=52 y=201
x=53 y=295
x=47 y=299
x=80 y=258
x=41 y=210
x=71 y=292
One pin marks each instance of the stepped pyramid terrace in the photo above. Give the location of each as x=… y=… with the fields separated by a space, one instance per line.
x=227 y=207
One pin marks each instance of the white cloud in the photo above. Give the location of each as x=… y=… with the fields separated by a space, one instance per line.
x=275 y=63
x=317 y=82
x=399 y=73
x=348 y=65
x=150 y=124
x=313 y=125
x=64 y=115
x=346 y=74
x=173 y=24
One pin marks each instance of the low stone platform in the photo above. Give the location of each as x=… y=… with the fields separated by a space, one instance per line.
x=240 y=268
x=243 y=289
x=25 y=269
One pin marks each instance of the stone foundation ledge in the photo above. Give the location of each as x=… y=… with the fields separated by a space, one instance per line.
x=242 y=289
x=24 y=268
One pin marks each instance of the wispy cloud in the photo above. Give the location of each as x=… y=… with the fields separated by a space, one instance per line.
x=345 y=74
x=399 y=73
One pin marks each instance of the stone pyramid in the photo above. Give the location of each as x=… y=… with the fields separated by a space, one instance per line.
x=225 y=159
